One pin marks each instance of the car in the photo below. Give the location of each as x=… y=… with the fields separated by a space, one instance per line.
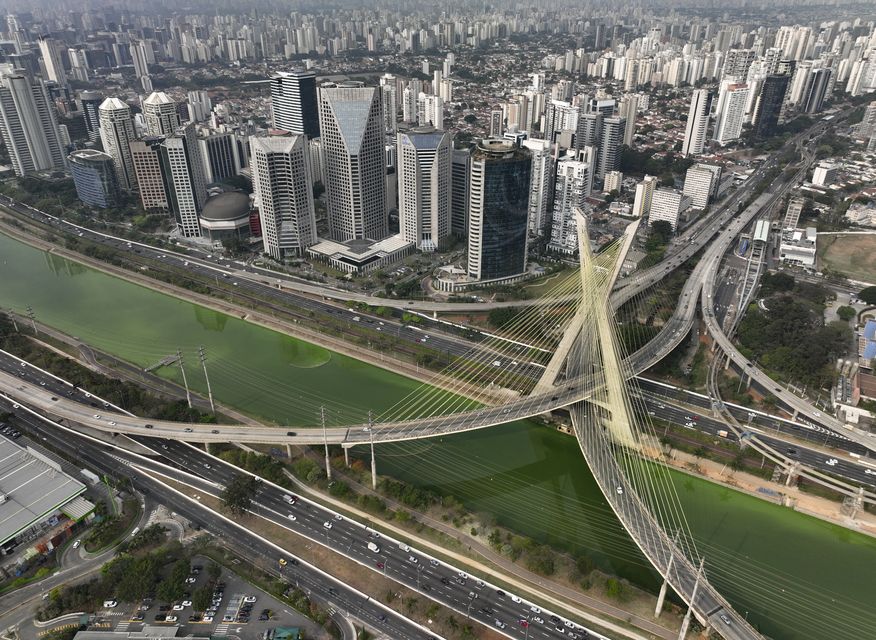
x=338 y=517
x=500 y=624
x=434 y=562
x=538 y=619
x=214 y=431
x=191 y=580
x=77 y=543
x=178 y=607
x=97 y=416
x=444 y=580
x=690 y=418
x=137 y=617
x=620 y=490
x=171 y=619
x=207 y=465
x=111 y=423
x=55 y=398
x=535 y=609
x=290 y=433
x=186 y=603
x=725 y=619
x=560 y=629
x=194 y=618
x=290 y=499
x=42 y=384
x=327 y=524
x=516 y=599
x=869 y=472
x=382 y=617
x=207 y=618
x=16 y=405
x=160 y=617
x=228 y=618
x=831 y=462
x=148 y=426
x=413 y=560
x=250 y=599
x=500 y=593
x=817 y=414
x=792 y=452
x=292 y=517
x=110 y=604
x=188 y=429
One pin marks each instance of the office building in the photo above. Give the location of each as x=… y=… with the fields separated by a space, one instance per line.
x=145 y=157
x=765 y=123
x=29 y=127
x=220 y=155
x=572 y=187
x=697 y=125
x=609 y=158
x=498 y=210
x=294 y=102
x=389 y=103
x=160 y=114
x=283 y=195
x=699 y=186
x=589 y=130
x=183 y=174
x=90 y=102
x=351 y=126
x=825 y=174
x=642 y=200
x=78 y=64
x=667 y=205
x=54 y=68
x=730 y=112
x=425 y=160
x=628 y=109
x=540 y=185
x=94 y=175
x=817 y=90
x=117 y=134
x=460 y=171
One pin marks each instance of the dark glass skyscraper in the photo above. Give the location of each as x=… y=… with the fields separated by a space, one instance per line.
x=769 y=105
x=293 y=102
x=498 y=210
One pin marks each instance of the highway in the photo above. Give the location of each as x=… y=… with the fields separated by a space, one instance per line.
x=322 y=587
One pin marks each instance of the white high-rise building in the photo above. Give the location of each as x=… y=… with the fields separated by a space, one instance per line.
x=697 y=125
x=183 y=172
x=52 y=61
x=117 y=134
x=731 y=112
x=573 y=186
x=78 y=64
x=160 y=114
x=29 y=128
x=199 y=106
x=667 y=205
x=644 y=193
x=430 y=111
x=351 y=127
x=613 y=182
x=410 y=96
x=424 y=188
x=698 y=186
x=293 y=102
x=540 y=184
x=628 y=109
x=282 y=185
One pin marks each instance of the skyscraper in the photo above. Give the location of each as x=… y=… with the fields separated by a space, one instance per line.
x=220 y=155
x=424 y=188
x=628 y=109
x=644 y=193
x=117 y=134
x=281 y=181
x=294 y=103
x=388 y=103
x=589 y=131
x=697 y=125
x=460 y=175
x=145 y=156
x=182 y=171
x=29 y=128
x=498 y=210
x=351 y=126
x=540 y=184
x=769 y=105
x=572 y=188
x=94 y=175
x=90 y=102
x=610 y=146
x=816 y=90
x=52 y=61
x=160 y=114
x=731 y=112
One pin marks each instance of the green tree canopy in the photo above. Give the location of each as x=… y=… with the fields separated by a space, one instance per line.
x=238 y=494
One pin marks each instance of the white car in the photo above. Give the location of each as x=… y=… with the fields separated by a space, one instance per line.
x=327 y=524
x=870 y=472
x=620 y=490
x=171 y=619
x=516 y=599
x=76 y=544
x=249 y=599
x=178 y=607
x=110 y=604
x=207 y=618
x=292 y=517
x=186 y=603
x=831 y=462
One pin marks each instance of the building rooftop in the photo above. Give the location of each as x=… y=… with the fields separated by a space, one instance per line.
x=230 y=205
x=33 y=487
x=158 y=97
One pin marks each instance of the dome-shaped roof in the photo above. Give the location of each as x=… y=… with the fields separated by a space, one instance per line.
x=230 y=205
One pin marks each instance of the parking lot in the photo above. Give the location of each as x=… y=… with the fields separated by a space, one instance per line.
x=238 y=609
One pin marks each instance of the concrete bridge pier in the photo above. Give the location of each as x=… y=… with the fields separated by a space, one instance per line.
x=346 y=448
x=289 y=450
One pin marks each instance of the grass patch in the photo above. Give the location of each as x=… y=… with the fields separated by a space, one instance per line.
x=854 y=256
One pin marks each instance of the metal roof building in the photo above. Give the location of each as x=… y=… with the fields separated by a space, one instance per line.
x=32 y=487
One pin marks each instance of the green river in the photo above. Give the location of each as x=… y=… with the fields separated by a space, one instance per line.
x=795 y=576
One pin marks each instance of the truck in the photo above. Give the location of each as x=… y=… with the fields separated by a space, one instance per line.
x=723 y=433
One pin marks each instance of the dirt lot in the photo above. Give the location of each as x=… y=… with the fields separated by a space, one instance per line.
x=855 y=256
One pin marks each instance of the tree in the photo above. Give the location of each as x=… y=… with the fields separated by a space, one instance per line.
x=868 y=295
x=471 y=118
x=846 y=313
x=201 y=598
x=501 y=316
x=238 y=494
